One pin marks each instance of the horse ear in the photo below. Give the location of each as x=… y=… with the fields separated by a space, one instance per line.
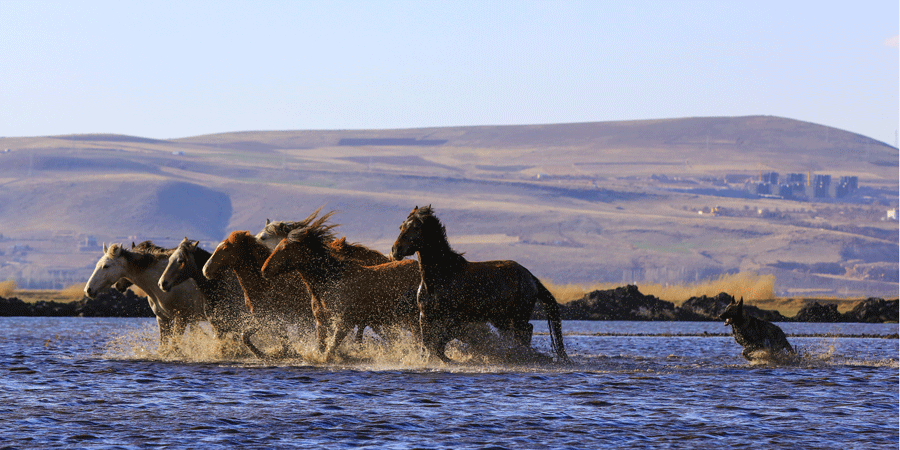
x=268 y=221
x=741 y=303
x=105 y=248
x=194 y=244
x=132 y=245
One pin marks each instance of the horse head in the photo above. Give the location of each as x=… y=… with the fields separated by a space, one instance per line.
x=302 y=248
x=109 y=269
x=275 y=232
x=414 y=232
x=223 y=256
x=181 y=266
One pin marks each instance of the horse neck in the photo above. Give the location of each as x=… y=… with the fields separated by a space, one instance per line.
x=361 y=254
x=323 y=269
x=146 y=278
x=198 y=259
x=438 y=261
x=248 y=273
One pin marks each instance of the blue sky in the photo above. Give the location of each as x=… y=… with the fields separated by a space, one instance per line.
x=176 y=69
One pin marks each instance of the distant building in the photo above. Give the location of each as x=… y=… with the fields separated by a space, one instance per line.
x=768 y=178
x=846 y=186
x=89 y=244
x=820 y=186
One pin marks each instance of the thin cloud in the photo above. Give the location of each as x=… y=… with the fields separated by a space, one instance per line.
x=892 y=42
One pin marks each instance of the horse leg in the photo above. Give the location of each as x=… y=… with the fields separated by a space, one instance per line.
x=435 y=340
x=245 y=338
x=178 y=327
x=321 y=334
x=523 y=334
x=340 y=332
x=165 y=333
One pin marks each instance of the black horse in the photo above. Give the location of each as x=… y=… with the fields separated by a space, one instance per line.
x=454 y=291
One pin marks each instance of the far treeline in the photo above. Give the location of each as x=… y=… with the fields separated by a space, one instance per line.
x=621 y=303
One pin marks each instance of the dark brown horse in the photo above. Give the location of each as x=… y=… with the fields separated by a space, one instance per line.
x=273 y=303
x=345 y=294
x=225 y=308
x=454 y=291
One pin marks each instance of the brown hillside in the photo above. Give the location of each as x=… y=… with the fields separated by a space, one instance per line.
x=591 y=202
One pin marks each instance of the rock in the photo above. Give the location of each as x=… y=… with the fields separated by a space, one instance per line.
x=711 y=307
x=111 y=303
x=622 y=303
x=814 y=312
x=874 y=310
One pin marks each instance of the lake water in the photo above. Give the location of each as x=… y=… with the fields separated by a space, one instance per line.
x=83 y=383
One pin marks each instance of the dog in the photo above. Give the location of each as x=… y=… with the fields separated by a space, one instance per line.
x=757 y=336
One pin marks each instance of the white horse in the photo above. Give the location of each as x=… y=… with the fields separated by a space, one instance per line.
x=174 y=310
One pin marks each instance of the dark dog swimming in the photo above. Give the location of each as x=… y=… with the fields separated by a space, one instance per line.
x=757 y=336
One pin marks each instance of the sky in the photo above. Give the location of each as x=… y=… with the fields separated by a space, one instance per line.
x=171 y=69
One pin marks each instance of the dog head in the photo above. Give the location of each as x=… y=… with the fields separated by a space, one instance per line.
x=734 y=313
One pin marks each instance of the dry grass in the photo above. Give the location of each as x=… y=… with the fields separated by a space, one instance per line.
x=7 y=288
x=73 y=292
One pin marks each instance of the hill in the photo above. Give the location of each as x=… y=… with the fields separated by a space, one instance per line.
x=665 y=201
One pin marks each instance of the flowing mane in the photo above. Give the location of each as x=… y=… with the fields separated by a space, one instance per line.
x=151 y=248
x=188 y=246
x=141 y=256
x=317 y=239
x=433 y=231
x=280 y=229
x=259 y=250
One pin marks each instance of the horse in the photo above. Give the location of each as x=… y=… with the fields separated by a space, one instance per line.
x=454 y=291
x=225 y=308
x=147 y=246
x=273 y=232
x=345 y=293
x=174 y=310
x=271 y=302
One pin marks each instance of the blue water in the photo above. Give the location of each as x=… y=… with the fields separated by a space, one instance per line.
x=99 y=383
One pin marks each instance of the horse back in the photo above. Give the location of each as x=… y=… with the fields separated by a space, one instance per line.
x=372 y=294
x=490 y=289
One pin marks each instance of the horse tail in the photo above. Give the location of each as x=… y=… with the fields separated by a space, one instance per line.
x=554 y=322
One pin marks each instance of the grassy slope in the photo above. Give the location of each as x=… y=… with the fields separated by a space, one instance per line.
x=595 y=215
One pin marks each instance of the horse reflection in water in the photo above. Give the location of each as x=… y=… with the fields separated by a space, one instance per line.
x=454 y=291
x=345 y=293
x=174 y=310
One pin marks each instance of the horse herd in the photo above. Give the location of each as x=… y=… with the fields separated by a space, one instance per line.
x=299 y=273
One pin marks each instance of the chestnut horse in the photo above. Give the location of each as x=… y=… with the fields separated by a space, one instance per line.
x=345 y=294
x=225 y=308
x=174 y=310
x=272 y=303
x=454 y=291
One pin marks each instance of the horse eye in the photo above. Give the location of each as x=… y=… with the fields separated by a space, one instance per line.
x=106 y=266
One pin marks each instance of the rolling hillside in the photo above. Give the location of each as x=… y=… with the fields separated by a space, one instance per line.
x=664 y=201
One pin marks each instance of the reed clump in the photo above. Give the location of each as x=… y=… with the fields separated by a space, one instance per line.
x=7 y=288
